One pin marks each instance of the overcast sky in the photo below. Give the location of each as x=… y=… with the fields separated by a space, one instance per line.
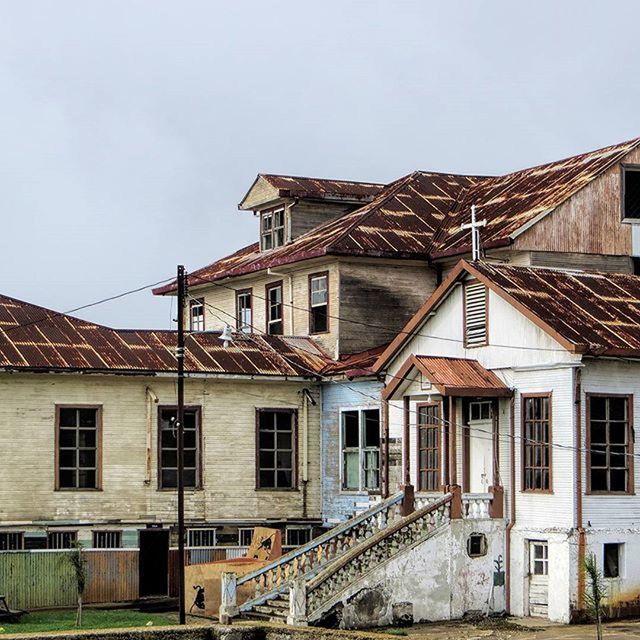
x=130 y=130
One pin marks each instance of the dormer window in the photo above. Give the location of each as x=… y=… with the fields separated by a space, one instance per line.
x=272 y=229
x=631 y=193
x=196 y=315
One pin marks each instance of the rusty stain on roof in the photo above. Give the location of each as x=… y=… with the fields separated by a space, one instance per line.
x=35 y=338
x=597 y=312
x=298 y=186
x=354 y=365
x=419 y=216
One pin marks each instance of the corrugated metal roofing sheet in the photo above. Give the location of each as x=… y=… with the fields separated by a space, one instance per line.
x=322 y=187
x=35 y=338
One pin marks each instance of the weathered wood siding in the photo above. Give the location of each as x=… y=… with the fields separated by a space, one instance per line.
x=130 y=493
x=378 y=299
x=221 y=301
x=585 y=261
x=589 y=222
x=306 y=215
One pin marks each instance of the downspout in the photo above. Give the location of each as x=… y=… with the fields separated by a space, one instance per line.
x=577 y=400
x=385 y=450
x=512 y=501
x=306 y=397
x=151 y=399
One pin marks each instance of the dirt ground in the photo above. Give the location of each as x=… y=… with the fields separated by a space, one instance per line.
x=521 y=629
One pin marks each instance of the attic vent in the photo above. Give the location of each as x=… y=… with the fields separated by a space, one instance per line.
x=475 y=315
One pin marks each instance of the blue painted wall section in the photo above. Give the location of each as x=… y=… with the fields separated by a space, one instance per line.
x=336 y=504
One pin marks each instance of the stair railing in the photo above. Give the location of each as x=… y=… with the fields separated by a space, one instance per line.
x=319 y=551
x=331 y=581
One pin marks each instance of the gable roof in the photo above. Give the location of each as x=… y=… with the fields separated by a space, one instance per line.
x=588 y=312
x=451 y=376
x=33 y=338
x=420 y=215
x=315 y=188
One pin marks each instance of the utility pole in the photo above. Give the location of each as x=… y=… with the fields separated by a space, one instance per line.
x=182 y=294
x=475 y=233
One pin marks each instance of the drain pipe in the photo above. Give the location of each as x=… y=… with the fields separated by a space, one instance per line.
x=151 y=399
x=577 y=401
x=512 y=501
x=306 y=399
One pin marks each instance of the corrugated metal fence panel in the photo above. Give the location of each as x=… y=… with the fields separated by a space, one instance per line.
x=37 y=579
x=112 y=576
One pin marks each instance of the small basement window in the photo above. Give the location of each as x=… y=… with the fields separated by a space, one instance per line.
x=245 y=535
x=61 y=539
x=477 y=545
x=631 y=193
x=297 y=536
x=612 y=560
x=11 y=541
x=107 y=539
x=201 y=538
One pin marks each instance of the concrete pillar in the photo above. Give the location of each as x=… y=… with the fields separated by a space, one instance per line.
x=228 y=602
x=297 y=603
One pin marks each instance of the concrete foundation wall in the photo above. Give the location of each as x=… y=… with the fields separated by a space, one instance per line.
x=435 y=580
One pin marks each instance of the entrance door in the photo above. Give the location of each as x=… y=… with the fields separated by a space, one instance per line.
x=154 y=562
x=538 y=578
x=480 y=447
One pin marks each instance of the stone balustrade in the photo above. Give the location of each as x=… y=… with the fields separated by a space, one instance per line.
x=476 y=506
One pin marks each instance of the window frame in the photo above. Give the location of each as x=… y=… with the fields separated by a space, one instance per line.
x=293 y=412
x=198 y=410
x=362 y=449
x=620 y=546
x=271 y=233
x=267 y=319
x=466 y=344
x=630 y=491
x=97 y=532
x=16 y=535
x=623 y=191
x=315 y=276
x=99 y=426
x=439 y=448
x=523 y=449
x=243 y=530
x=193 y=530
x=288 y=529
x=55 y=532
x=239 y=324
x=197 y=302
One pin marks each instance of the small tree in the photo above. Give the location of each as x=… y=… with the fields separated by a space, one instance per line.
x=79 y=565
x=596 y=593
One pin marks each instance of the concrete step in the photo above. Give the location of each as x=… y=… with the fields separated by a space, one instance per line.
x=260 y=615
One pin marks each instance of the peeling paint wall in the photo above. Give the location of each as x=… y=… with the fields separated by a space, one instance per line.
x=435 y=580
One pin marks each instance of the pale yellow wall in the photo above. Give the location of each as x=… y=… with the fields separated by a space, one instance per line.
x=221 y=306
x=27 y=425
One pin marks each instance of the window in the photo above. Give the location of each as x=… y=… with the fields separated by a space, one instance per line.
x=631 y=193
x=319 y=303
x=202 y=538
x=78 y=445
x=609 y=444
x=61 y=539
x=297 y=536
x=477 y=545
x=168 y=448
x=244 y=537
x=475 y=314
x=428 y=447
x=272 y=233
x=480 y=410
x=11 y=540
x=244 y=311
x=276 y=448
x=275 y=324
x=612 y=560
x=536 y=443
x=361 y=450
x=107 y=539
x=196 y=315
x=539 y=558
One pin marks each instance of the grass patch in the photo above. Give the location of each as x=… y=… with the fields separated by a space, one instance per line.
x=40 y=621
x=396 y=632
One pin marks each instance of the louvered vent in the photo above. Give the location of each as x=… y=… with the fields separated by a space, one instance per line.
x=475 y=314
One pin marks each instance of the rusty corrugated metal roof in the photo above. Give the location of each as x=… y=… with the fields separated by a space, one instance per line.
x=419 y=216
x=35 y=338
x=301 y=187
x=354 y=365
x=597 y=312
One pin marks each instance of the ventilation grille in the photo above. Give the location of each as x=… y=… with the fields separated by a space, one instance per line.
x=475 y=314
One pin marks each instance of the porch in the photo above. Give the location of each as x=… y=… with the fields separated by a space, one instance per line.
x=452 y=412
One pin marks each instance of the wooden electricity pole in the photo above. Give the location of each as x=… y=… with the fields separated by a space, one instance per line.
x=180 y=419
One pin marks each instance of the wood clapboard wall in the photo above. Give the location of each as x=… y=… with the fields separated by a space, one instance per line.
x=43 y=579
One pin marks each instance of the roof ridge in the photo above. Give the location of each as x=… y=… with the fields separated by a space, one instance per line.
x=286 y=175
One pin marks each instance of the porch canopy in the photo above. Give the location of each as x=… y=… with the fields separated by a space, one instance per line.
x=449 y=376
